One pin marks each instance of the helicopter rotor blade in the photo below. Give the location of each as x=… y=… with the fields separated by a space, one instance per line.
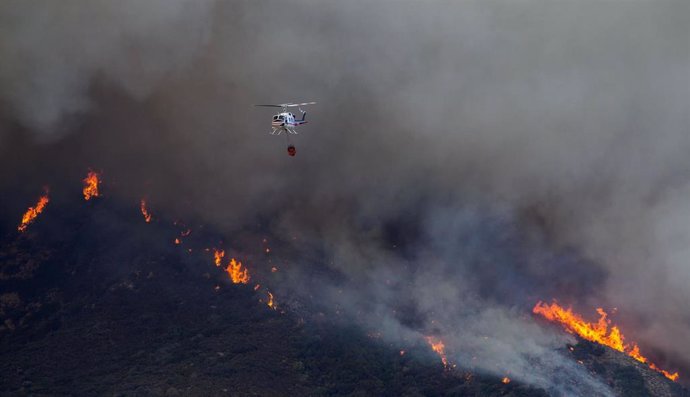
x=290 y=105
x=271 y=106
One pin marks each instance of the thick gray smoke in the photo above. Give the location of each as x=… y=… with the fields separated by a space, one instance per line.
x=521 y=150
x=51 y=51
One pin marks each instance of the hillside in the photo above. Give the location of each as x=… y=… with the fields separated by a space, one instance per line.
x=95 y=301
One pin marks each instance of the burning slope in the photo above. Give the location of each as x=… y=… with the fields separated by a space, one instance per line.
x=144 y=287
x=31 y=214
x=91 y=183
x=598 y=332
x=239 y=274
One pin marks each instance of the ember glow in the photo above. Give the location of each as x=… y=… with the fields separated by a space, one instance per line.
x=145 y=212
x=506 y=380
x=237 y=273
x=599 y=332
x=91 y=183
x=218 y=256
x=31 y=214
x=440 y=349
x=270 y=301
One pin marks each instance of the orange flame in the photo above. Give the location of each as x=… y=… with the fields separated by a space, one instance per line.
x=31 y=214
x=599 y=332
x=236 y=273
x=270 y=302
x=145 y=212
x=91 y=183
x=505 y=380
x=438 y=346
x=218 y=256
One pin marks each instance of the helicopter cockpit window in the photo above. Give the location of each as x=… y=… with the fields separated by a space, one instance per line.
x=275 y=118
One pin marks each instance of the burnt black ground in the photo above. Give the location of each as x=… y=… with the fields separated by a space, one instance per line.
x=94 y=301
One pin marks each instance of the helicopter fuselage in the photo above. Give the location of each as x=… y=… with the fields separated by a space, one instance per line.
x=286 y=122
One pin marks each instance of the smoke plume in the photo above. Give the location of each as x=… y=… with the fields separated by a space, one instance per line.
x=464 y=160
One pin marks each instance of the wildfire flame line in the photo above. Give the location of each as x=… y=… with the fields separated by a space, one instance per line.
x=218 y=256
x=598 y=332
x=91 y=185
x=270 y=302
x=238 y=275
x=31 y=214
x=145 y=212
x=440 y=349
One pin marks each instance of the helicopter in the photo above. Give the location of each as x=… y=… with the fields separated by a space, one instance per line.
x=286 y=122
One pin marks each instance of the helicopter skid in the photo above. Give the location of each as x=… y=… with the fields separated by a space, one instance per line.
x=278 y=131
